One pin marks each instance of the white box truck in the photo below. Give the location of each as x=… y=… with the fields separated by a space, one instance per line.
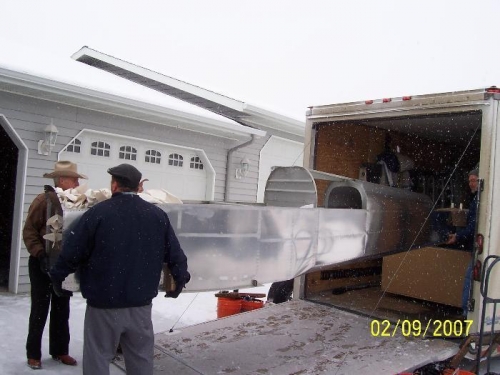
x=345 y=318
x=445 y=136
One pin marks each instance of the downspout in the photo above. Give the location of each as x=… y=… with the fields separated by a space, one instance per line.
x=229 y=162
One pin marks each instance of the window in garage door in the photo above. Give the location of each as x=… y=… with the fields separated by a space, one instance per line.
x=183 y=171
x=128 y=153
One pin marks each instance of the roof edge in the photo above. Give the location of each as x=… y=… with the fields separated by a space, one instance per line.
x=283 y=123
x=116 y=101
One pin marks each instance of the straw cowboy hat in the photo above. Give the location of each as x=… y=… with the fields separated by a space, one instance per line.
x=64 y=169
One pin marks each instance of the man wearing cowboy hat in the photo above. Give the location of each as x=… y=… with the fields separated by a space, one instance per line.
x=43 y=207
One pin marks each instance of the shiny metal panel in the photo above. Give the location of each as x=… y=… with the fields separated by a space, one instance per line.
x=342 y=236
x=239 y=246
x=397 y=219
x=290 y=187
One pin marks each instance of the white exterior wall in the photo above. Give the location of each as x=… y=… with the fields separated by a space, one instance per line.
x=245 y=189
x=285 y=147
x=29 y=116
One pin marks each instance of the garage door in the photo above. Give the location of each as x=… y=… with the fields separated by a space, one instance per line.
x=183 y=171
x=277 y=152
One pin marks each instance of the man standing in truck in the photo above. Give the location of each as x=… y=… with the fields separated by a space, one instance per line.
x=464 y=237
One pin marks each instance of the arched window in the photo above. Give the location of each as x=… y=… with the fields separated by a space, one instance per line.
x=175 y=160
x=128 y=153
x=74 y=146
x=152 y=156
x=196 y=163
x=100 y=148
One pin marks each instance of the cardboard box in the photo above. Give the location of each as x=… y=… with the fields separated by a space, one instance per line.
x=168 y=279
x=457 y=217
x=431 y=274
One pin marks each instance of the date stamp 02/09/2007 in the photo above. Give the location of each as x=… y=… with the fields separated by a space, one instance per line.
x=415 y=328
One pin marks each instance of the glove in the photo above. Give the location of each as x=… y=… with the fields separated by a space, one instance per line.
x=179 y=286
x=44 y=263
x=59 y=291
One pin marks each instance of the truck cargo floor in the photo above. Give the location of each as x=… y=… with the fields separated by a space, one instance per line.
x=372 y=302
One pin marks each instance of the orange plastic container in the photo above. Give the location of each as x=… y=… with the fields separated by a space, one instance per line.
x=228 y=306
x=450 y=371
x=251 y=305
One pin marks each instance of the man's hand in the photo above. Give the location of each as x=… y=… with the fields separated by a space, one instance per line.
x=175 y=293
x=59 y=291
x=44 y=263
x=179 y=286
x=452 y=239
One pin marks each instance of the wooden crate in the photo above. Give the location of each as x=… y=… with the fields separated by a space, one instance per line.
x=368 y=272
x=431 y=274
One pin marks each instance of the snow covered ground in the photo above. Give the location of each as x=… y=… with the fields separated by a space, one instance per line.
x=188 y=309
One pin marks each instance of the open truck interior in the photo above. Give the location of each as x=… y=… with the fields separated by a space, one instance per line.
x=437 y=152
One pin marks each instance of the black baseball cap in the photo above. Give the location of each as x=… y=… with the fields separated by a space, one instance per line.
x=474 y=172
x=127 y=173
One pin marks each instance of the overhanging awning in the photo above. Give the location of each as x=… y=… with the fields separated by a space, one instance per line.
x=209 y=100
x=238 y=111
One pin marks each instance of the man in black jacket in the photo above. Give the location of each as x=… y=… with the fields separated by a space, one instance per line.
x=464 y=238
x=119 y=247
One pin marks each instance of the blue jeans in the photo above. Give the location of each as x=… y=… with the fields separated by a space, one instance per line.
x=466 y=288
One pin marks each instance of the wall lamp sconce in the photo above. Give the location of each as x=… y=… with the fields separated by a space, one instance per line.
x=46 y=145
x=243 y=168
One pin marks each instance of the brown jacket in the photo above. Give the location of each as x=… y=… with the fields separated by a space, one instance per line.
x=36 y=223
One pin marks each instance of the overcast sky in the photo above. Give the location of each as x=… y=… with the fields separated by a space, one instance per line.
x=281 y=55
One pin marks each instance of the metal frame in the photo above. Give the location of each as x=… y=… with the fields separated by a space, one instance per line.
x=493 y=336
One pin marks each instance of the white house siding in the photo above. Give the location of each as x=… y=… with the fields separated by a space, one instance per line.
x=244 y=190
x=29 y=116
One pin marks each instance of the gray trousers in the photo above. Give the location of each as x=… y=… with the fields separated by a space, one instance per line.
x=105 y=328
